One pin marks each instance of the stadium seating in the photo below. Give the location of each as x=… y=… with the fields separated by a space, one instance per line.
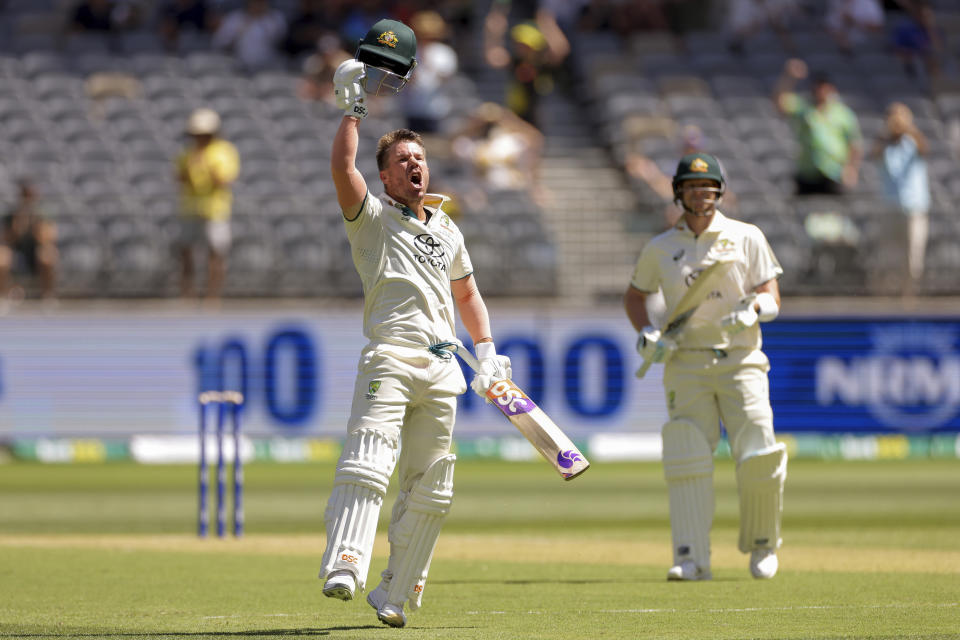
x=104 y=164
x=646 y=100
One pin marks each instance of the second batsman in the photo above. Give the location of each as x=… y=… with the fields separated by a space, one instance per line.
x=714 y=371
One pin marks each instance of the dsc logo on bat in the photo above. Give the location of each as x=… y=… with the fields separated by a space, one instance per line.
x=509 y=398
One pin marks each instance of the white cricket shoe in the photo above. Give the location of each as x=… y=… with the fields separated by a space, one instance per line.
x=388 y=614
x=688 y=570
x=763 y=563
x=340 y=584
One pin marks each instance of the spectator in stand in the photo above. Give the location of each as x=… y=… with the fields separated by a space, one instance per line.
x=622 y=18
x=307 y=25
x=205 y=170
x=502 y=149
x=29 y=247
x=179 y=15
x=915 y=36
x=106 y=17
x=537 y=49
x=569 y=13
x=748 y=17
x=425 y=102
x=101 y=86
x=359 y=17
x=252 y=34
x=93 y=15
x=851 y=21
x=827 y=130
x=316 y=83
x=900 y=151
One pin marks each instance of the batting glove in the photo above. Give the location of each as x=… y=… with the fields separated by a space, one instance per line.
x=492 y=369
x=347 y=91
x=653 y=346
x=743 y=317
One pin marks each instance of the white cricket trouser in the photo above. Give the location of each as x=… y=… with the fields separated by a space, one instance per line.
x=410 y=394
x=410 y=397
x=705 y=389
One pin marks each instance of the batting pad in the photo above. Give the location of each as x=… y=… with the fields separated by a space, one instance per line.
x=359 y=486
x=415 y=529
x=760 y=478
x=688 y=469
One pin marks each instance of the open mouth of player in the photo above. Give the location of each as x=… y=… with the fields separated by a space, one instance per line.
x=416 y=180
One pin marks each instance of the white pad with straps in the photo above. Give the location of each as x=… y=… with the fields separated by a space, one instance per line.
x=414 y=530
x=688 y=469
x=359 y=486
x=760 y=478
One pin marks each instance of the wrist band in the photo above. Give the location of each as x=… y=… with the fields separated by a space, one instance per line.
x=485 y=350
x=768 y=307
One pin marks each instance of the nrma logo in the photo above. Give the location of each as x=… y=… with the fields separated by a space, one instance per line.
x=910 y=381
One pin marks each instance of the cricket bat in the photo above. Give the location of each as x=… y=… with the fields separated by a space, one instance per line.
x=690 y=302
x=535 y=425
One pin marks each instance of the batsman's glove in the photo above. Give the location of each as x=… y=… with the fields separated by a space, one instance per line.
x=743 y=317
x=653 y=346
x=492 y=369
x=347 y=91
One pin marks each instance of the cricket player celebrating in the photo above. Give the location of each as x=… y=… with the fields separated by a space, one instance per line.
x=714 y=370
x=414 y=266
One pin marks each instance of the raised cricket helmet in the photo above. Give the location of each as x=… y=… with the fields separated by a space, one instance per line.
x=388 y=52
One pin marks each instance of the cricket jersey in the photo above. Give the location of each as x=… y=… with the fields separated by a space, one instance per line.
x=672 y=260
x=406 y=267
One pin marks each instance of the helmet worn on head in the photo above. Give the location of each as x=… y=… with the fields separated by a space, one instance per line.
x=698 y=166
x=389 y=53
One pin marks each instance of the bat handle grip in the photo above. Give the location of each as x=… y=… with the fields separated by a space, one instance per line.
x=467 y=357
x=642 y=371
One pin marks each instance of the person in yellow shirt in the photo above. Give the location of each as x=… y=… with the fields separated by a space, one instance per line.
x=205 y=169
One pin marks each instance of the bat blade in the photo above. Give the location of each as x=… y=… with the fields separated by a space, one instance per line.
x=698 y=291
x=690 y=302
x=530 y=420
x=537 y=427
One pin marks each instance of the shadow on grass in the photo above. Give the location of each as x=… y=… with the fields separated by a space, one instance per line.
x=257 y=633
x=577 y=581
x=266 y=633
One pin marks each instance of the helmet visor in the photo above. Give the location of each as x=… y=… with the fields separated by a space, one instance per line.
x=377 y=79
x=701 y=190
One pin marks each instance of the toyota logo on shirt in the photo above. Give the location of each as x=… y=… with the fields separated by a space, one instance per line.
x=428 y=245
x=431 y=251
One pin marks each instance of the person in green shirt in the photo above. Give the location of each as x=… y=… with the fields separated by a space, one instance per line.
x=827 y=131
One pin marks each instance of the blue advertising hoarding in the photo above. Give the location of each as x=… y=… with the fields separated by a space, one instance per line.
x=115 y=373
x=864 y=375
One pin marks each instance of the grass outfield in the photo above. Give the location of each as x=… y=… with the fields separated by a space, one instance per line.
x=872 y=550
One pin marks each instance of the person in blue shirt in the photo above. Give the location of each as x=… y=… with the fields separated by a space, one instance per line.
x=900 y=152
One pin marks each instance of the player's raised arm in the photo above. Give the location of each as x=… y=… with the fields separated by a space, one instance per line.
x=350 y=96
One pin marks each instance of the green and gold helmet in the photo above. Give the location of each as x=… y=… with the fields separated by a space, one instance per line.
x=388 y=52
x=699 y=166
